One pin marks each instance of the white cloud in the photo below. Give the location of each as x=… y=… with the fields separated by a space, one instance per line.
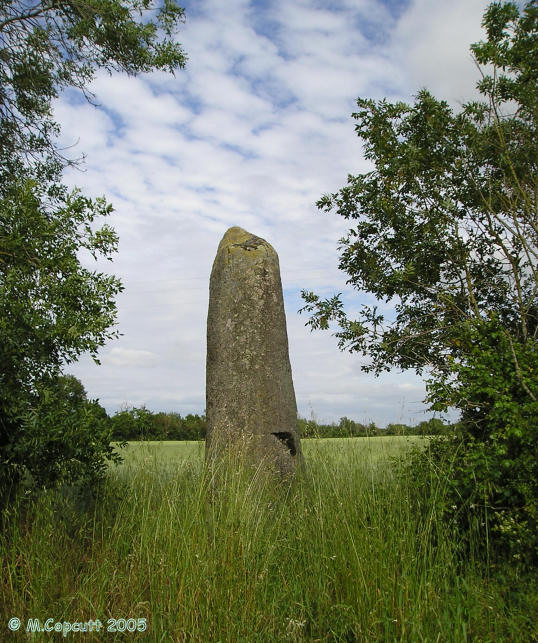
x=252 y=133
x=131 y=358
x=432 y=41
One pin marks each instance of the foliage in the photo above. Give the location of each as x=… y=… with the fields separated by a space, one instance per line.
x=347 y=428
x=495 y=476
x=52 y=308
x=171 y=426
x=141 y=424
x=445 y=228
x=64 y=437
x=46 y=47
x=129 y=423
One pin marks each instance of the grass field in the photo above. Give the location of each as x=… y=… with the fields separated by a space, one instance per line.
x=366 y=450
x=338 y=555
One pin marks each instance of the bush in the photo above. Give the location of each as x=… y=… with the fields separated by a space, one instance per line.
x=63 y=437
x=490 y=462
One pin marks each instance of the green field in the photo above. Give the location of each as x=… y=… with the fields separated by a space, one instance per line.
x=340 y=554
x=366 y=450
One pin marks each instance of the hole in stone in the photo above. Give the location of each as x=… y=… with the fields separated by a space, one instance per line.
x=287 y=439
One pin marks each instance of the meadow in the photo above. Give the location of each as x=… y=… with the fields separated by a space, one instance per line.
x=340 y=554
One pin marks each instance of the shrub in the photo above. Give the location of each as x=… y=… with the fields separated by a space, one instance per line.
x=63 y=436
x=490 y=463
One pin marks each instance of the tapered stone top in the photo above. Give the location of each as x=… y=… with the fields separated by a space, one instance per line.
x=250 y=400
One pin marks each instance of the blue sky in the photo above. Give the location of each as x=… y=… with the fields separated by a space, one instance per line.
x=252 y=133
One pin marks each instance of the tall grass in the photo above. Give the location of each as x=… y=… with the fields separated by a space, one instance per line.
x=339 y=554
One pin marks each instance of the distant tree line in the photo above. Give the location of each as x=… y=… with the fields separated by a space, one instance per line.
x=142 y=424
x=67 y=408
x=347 y=428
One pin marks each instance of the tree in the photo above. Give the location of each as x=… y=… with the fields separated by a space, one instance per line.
x=433 y=426
x=135 y=424
x=52 y=309
x=49 y=46
x=446 y=228
x=397 y=428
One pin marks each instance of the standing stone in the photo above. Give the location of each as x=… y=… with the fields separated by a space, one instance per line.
x=250 y=401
